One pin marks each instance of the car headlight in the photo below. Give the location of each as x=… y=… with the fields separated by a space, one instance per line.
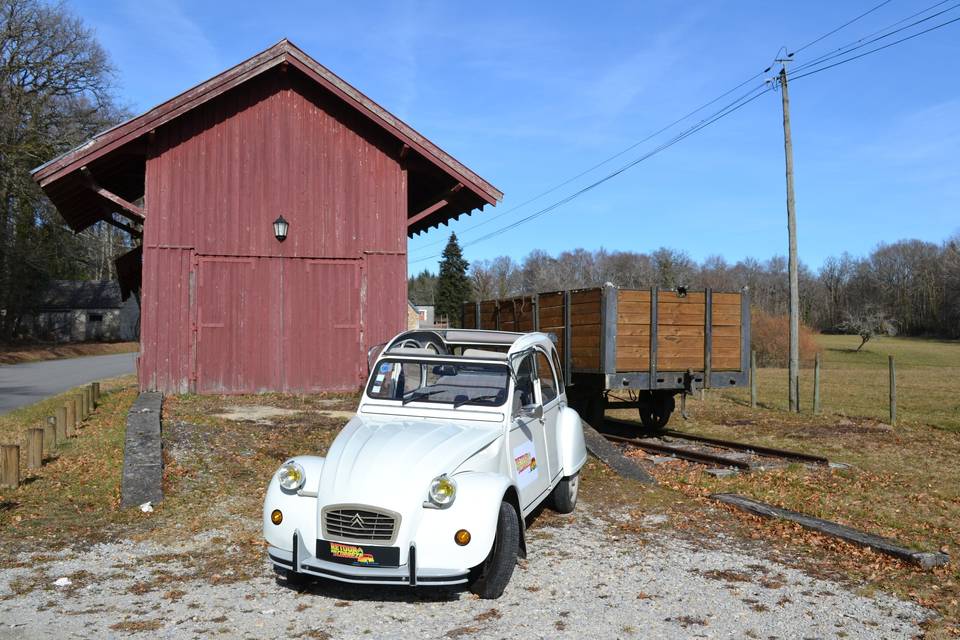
x=442 y=491
x=291 y=476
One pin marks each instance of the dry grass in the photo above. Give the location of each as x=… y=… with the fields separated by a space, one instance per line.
x=18 y=354
x=72 y=498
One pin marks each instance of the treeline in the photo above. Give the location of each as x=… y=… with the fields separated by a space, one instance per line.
x=915 y=284
x=55 y=92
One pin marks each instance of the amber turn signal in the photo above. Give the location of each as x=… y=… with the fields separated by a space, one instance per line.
x=277 y=517
x=462 y=537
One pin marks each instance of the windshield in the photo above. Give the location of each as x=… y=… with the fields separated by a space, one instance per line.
x=456 y=383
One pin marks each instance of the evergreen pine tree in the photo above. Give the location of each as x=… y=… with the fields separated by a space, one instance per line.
x=453 y=285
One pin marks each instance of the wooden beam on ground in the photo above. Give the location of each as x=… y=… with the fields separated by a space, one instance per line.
x=128 y=208
x=611 y=456
x=877 y=543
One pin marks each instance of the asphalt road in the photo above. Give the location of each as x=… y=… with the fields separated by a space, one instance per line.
x=23 y=384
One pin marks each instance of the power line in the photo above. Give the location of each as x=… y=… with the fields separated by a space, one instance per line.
x=844 y=25
x=866 y=53
x=723 y=112
x=842 y=51
x=602 y=162
x=847 y=46
x=737 y=104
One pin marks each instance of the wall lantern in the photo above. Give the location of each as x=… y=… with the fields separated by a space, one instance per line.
x=280 y=227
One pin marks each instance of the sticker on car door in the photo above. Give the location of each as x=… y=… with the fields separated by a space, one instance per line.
x=525 y=459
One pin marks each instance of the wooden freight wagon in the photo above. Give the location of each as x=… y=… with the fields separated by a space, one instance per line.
x=629 y=348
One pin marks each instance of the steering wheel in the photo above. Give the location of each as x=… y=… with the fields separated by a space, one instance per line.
x=410 y=343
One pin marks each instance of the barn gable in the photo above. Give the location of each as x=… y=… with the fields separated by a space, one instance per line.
x=227 y=307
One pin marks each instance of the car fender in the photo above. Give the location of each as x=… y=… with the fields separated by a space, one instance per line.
x=299 y=507
x=476 y=509
x=573 y=450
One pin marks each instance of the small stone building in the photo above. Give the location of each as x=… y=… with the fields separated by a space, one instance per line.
x=84 y=311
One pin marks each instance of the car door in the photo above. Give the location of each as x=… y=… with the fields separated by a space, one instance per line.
x=547 y=380
x=528 y=448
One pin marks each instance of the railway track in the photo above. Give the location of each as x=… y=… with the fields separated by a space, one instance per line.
x=707 y=451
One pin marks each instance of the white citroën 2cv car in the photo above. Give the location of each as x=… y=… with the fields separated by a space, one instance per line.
x=459 y=435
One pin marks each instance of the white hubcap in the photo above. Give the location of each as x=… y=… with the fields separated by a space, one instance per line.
x=574 y=486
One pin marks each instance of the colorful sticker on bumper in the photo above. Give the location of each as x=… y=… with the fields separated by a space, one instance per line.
x=525 y=459
x=358 y=556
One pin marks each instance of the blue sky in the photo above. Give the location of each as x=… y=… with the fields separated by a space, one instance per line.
x=530 y=94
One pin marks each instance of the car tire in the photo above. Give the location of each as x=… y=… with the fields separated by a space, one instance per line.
x=493 y=575
x=564 y=496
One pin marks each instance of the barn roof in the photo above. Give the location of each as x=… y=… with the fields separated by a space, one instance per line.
x=106 y=173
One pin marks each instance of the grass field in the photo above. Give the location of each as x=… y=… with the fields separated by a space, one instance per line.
x=857 y=383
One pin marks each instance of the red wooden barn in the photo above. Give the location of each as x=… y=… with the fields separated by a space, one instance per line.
x=226 y=306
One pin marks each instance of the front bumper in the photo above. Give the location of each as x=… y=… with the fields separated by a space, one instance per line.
x=302 y=560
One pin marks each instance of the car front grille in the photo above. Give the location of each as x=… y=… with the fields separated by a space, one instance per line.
x=360 y=523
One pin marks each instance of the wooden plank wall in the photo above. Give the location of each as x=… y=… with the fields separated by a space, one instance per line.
x=680 y=331
x=633 y=330
x=551 y=316
x=585 y=329
x=517 y=314
x=725 y=352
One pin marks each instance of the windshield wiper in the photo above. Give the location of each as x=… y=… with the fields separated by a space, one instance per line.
x=490 y=396
x=422 y=393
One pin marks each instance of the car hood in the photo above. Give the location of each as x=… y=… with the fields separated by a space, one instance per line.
x=389 y=462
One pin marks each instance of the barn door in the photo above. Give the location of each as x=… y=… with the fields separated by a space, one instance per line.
x=321 y=319
x=273 y=324
x=238 y=326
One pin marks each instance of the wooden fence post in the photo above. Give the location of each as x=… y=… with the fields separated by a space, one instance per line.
x=81 y=408
x=893 y=391
x=96 y=392
x=50 y=438
x=797 y=387
x=69 y=421
x=93 y=396
x=87 y=401
x=816 y=384
x=10 y=467
x=34 y=448
x=59 y=423
x=753 y=379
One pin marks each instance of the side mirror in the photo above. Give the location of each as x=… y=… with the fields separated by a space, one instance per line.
x=533 y=411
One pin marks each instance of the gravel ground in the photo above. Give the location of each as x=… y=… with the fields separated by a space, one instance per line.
x=583 y=579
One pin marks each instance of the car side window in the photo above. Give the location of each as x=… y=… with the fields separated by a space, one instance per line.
x=525 y=395
x=548 y=382
x=559 y=370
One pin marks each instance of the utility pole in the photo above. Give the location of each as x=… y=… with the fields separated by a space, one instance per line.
x=794 y=361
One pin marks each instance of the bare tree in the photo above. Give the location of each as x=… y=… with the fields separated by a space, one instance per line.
x=868 y=323
x=55 y=83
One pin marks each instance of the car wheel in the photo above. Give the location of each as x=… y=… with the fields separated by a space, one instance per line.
x=564 y=496
x=493 y=575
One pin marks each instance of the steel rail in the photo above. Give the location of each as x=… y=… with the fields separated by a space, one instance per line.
x=686 y=454
x=750 y=448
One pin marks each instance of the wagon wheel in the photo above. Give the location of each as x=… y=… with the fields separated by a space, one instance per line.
x=656 y=414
